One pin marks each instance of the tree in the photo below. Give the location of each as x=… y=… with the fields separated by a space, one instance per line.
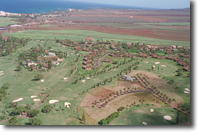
x=13 y=121
x=152 y=67
x=177 y=118
x=102 y=122
x=179 y=74
x=83 y=118
x=171 y=81
x=39 y=76
x=6 y=85
x=49 y=64
x=28 y=107
x=3 y=92
x=1 y=97
x=18 y=111
x=120 y=109
x=18 y=68
x=33 y=113
x=47 y=109
x=136 y=68
x=35 y=121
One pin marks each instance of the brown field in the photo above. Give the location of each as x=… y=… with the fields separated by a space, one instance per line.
x=144 y=32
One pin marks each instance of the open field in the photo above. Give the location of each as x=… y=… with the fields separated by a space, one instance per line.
x=78 y=35
x=4 y=21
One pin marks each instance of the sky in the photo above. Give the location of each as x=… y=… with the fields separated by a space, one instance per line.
x=163 y=4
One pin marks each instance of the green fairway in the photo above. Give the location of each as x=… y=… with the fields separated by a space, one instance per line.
x=78 y=35
x=137 y=117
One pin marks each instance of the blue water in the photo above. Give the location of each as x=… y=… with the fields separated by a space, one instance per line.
x=42 y=6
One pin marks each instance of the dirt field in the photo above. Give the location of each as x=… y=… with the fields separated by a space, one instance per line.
x=144 y=32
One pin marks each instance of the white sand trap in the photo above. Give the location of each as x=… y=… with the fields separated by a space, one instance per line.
x=147 y=62
x=186 y=92
x=83 y=81
x=36 y=100
x=187 y=89
x=42 y=80
x=20 y=99
x=53 y=101
x=88 y=77
x=33 y=96
x=163 y=65
x=67 y=104
x=157 y=63
x=1 y=74
x=1 y=71
x=64 y=78
x=144 y=123
x=152 y=110
x=154 y=66
x=167 y=117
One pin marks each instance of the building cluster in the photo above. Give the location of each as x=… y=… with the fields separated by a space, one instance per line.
x=44 y=60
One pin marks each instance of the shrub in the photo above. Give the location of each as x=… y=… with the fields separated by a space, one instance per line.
x=102 y=122
x=112 y=117
x=171 y=81
x=120 y=109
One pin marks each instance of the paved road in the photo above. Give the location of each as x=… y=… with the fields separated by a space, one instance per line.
x=100 y=60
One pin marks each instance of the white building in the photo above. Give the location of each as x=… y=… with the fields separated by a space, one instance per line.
x=2 y=13
x=51 y=54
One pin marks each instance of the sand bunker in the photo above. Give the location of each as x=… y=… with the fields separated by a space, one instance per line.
x=83 y=81
x=144 y=123
x=36 y=100
x=64 y=78
x=147 y=62
x=67 y=104
x=163 y=65
x=167 y=117
x=20 y=99
x=152 y=110
x=42 y=80
x=88 y=77
x=53 y=101
x=187 y=89
x=154 y=66
x=186 y=92
x=157 y=63
x=1 y=73
x=33 y=96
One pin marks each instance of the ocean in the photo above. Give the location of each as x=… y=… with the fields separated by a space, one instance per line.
x=42 y=6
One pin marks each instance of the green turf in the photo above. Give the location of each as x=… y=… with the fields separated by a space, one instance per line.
x=169 y=24
x=78 y=35
x=136 y=117
x=4 y=21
